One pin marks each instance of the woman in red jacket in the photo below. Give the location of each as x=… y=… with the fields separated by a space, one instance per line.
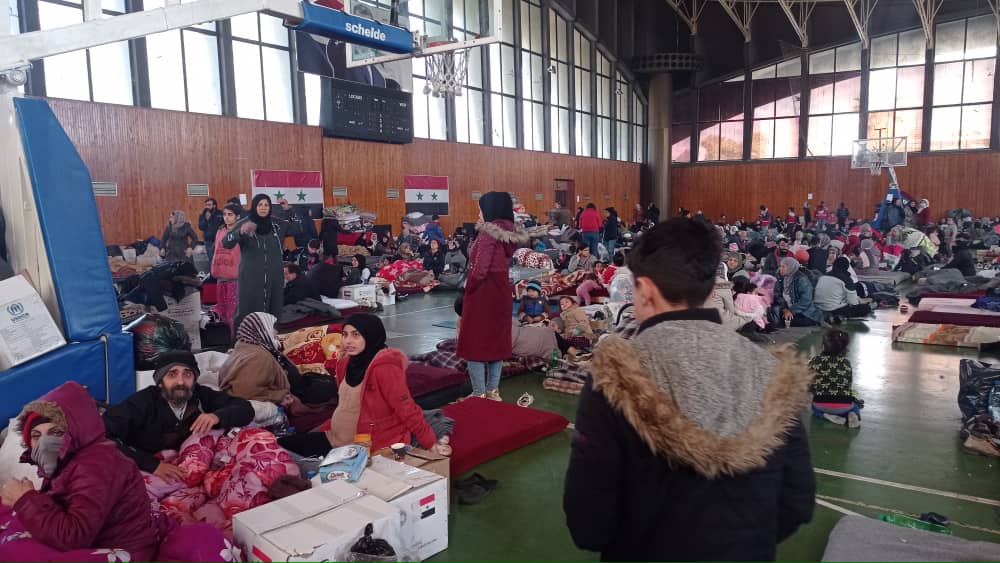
x=226 y=268
x=373 y=397
x=485 y=339
x=92 y=502
x=590 y=228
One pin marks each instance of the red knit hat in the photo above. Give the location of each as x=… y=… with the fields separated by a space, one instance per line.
x=30 y=422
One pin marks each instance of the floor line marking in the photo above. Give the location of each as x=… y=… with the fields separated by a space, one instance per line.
x=839 y=509
x=906 y=487
x=821 y=500
x=415 y=312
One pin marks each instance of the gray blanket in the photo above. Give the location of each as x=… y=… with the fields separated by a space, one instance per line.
x=305 y=308
x=857 y=538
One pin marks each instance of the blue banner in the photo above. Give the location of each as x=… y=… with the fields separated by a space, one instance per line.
x=354 y=29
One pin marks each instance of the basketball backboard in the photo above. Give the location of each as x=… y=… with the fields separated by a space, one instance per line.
x=875 y=154
x=437 y=26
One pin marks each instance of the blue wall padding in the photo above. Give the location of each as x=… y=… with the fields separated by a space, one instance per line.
x=71 y=226
x=121 y=367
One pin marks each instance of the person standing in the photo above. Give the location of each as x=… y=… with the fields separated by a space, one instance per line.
x=590 y=227
x=765 y=218
x=843 y=214
x=226 y=268
x=807 y=216
x=688 y=444
x=179 y=239
x=485 y=341
x=924 y=214
x=612 y=231
x=209 y=223
x=260 y=236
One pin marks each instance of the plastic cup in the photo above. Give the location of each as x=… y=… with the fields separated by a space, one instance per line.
x=398 y=451
x=788 y=323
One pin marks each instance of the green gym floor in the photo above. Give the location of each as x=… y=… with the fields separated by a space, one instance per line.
x=905 y=458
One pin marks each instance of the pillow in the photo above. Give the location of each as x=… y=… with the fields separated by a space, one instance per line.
x=331 y=344
x=10 y=458
x=308 y=353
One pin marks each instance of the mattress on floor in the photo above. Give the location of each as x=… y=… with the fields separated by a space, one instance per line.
x=940 y=294
x=858 y=538
x=945 y=334
x=423 y=379
x=486 y=429
x=931 y=303
x=889 y=278
x=961 y=319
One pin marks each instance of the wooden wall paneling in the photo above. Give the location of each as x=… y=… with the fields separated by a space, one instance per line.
x=947 y=180
x=154 y=154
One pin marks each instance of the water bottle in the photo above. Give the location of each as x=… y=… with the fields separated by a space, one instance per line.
x=554 y=361
x=280 y=425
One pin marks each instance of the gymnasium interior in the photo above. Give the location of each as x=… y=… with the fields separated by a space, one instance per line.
x=866 y=130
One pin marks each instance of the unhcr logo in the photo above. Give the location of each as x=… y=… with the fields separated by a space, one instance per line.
x=15 y=309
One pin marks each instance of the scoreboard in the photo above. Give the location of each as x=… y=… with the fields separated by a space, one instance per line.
x=359 y=111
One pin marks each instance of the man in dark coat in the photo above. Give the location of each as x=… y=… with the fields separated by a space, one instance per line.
x=261 y=236
x=209 y=223
x=162 y=416
x=691 y=450
x=328 y=275
x=298 y=286
x=894 y=215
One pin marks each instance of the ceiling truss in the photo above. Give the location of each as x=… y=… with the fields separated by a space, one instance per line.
x=689 y=11
x=927 y=10
x=741 y=13
x=861 y=15
x=799 y=18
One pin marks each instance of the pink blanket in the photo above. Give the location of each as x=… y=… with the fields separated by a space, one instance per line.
x=225 y=474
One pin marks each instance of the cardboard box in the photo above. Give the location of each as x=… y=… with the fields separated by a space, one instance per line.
x=27 y=330
x=361 y=294
x=421 y=495
x=320 y=524
x=426 y=460
x=187 y=311
x=385 y=300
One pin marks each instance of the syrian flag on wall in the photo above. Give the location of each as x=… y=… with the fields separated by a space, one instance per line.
x=426 y=194
x=298 y=187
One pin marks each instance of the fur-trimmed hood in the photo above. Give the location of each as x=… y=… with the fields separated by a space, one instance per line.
x=701 y=395
x=71 y=408
x=505 y=232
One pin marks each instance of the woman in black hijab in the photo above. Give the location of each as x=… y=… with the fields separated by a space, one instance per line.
x=261 y=236
x=373 y=396
x=485 y=339
x=836 y=293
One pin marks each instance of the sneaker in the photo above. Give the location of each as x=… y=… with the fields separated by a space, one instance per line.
x=494 y=395
x=836 y=419
x=853 y=420
x=472 y=396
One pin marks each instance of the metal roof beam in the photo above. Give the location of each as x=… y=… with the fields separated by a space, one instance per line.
x=742 y=15
x=927 y=10
x=800 y=20
x=689 y=11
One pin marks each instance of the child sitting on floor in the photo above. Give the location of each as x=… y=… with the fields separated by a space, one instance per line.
x=575 y=323
x=748 y=301
x=534 y=308
x=591 y=283
x=833 y=397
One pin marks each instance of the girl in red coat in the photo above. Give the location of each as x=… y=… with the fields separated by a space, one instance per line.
x=485 y=339
x=373 y=397
x=92 y=502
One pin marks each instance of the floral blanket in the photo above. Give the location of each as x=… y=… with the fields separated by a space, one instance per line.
x=553 y=283
x=398 y=268
x=225 y=474
x=311 y=349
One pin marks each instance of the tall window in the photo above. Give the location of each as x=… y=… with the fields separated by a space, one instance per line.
x=777 y=93
x=623 y=99
x=583 y=78
x=184 y=67
x=720 y=122
x=262 y=68
x=560 y=82
x=964 y=64
x=99 y=74
x=469 y=106
x=682 y=126
x=896 y=87
x=603 y=106
x=834 y=100
x=503 y=103
x=639 y=130
x=532 y=88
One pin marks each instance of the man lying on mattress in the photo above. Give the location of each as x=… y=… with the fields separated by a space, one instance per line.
x=185 y=438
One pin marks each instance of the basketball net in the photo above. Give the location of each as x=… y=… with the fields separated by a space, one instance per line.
x=876 y=167
x=446 y=73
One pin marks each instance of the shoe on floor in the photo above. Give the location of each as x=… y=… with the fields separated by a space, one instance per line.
x=494 y=395
x=980 y=446
x=473 y=494
x=836 y=419
x=472 y=396
x=477 y=479
x=853 y=420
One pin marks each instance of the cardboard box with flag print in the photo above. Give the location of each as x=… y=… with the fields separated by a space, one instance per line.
x=300 y=188
x=426 y=194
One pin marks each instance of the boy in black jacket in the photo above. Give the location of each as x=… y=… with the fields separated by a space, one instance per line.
x=688 y=444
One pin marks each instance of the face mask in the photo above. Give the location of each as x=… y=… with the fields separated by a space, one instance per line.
x=45 y=453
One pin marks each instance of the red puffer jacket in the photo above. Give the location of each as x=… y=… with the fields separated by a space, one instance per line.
x=590 y=221
x=387 y=404
x=96 y=498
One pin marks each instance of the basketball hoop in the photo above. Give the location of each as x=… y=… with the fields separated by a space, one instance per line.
x=876 y=167
x=446 y=72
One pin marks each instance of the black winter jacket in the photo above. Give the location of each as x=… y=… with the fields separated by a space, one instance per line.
x=144 y=424
x=648 y=483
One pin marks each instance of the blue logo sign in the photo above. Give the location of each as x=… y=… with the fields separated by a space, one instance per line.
x=15 y=309
x=354 y=29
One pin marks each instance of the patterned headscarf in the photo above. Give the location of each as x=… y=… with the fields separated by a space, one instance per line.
x=258 y=329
